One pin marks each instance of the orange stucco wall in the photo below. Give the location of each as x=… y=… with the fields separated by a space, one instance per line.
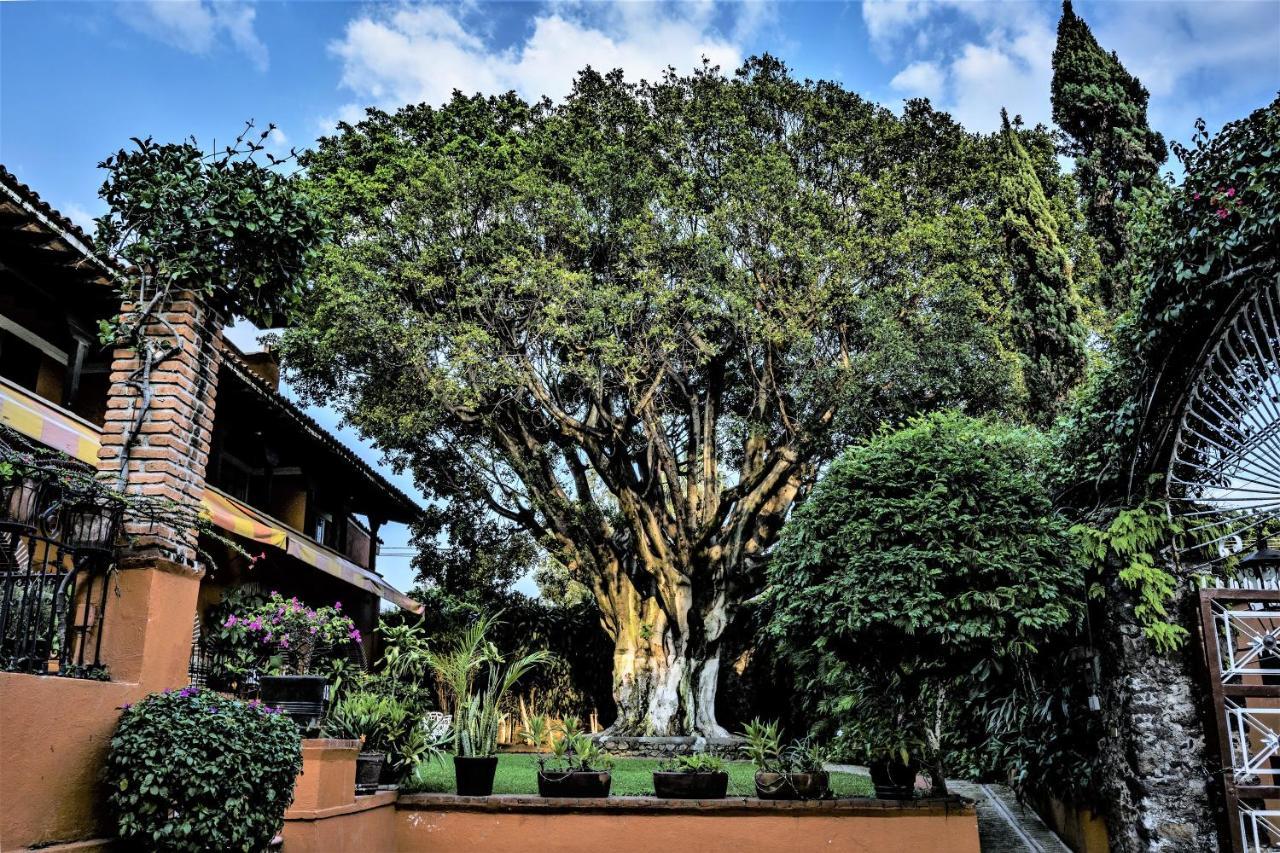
x=54 y=732
x=813 y=827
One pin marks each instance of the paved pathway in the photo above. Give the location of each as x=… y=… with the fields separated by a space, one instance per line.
x=1004 y=825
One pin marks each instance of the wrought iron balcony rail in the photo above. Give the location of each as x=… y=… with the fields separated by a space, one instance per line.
x=56 y=551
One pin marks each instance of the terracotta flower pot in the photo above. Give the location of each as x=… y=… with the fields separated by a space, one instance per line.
x=792 y=786
x=691 y=786
x=575 y=783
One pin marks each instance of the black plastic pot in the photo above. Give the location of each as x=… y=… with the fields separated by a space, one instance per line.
x=792 y=786
x=369 y=771
x=474 y=775
x=302 y=697
x=575 y=783
x=893 y=779
x=691 y=786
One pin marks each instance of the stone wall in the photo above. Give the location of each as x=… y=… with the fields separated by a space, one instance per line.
x=667 y=747
x=1159 y=772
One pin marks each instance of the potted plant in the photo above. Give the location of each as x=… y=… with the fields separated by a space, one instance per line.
x=576 y=766
x=794 y=772
x=476 y=713
x=369 y=719
x=293 y=634
x=691 y=777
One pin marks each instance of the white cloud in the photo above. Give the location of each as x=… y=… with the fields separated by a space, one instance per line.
x=80 y=215
x=197 y=26
x=989 y=55
x=920 y=80
x=423 y=53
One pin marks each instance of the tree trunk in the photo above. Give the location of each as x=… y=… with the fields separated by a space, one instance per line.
x=665 y=671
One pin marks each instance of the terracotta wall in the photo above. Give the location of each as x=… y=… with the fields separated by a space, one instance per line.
x=642 y=825
x=54 y=732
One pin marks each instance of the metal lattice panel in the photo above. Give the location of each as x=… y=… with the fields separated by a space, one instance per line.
x=1260 y=830
x=1248 y=642
x=1224 y=471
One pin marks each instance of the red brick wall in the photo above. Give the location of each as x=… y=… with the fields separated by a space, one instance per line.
x=171 y=450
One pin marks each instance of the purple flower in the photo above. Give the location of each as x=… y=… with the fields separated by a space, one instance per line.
x=1196 y=197
x=355 y=634
x=284 y=642
x=314 y=629
x=1231 y=192
x=126 y=706
x=1222 y=213
x=231 y=620
x=337 y=605
x=256 y=624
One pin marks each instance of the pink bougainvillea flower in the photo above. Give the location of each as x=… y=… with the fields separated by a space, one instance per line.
x=337 y=605
x=1196 y=196
x=231 y=620
x=1231 y=191
x=1222 y=213
x=355 y=634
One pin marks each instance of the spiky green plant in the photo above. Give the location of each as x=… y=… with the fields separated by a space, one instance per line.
x=476 y=714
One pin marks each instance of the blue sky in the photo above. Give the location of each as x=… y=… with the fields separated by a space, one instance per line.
x=78 y=79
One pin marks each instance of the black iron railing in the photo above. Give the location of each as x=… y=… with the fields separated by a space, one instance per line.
x=55 y=556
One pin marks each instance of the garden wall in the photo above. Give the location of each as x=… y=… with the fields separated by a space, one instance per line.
x=54 y=731
x=442 y=823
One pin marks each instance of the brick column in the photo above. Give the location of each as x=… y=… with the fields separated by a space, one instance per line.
x=171 y=450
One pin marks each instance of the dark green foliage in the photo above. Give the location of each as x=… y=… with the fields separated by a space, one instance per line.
x=215 y=222
x=1102 y=110
x=1045 y=308
x=927 y=566
x=1195 y=251
x=190 y=770
x=575 y=682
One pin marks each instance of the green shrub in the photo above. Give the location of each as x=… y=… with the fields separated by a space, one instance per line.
x=924 y=576
x=191 y=770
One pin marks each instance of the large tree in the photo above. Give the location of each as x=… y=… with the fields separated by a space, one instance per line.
x=1045 y=308
x=635 y=324
x=1102 y=111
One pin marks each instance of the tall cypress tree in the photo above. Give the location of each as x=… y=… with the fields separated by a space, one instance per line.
x=1102 y=110
x=1046 y=312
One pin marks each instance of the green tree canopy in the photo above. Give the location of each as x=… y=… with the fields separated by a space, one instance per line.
x=1046 y=311
x=635 y=323
x=1102 y=110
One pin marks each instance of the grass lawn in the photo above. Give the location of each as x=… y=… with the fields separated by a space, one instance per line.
x=518 y=774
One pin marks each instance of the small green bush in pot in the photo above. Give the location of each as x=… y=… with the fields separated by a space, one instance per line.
x=792 y=771
x=576 y=767
x=191 y=770
x=691 y=777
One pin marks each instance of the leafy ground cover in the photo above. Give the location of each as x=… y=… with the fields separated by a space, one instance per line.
x=518 y=774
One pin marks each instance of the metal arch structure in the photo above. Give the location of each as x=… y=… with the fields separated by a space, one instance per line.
x=1223 y=483
x=1223 y=477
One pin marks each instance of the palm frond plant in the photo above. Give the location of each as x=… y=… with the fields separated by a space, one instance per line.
x=469 y=661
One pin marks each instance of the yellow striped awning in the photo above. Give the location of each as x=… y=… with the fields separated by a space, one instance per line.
x=59 y=429
x=52 y=426
x=229 y=514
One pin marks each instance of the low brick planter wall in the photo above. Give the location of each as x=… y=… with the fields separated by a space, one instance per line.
x=444 y=823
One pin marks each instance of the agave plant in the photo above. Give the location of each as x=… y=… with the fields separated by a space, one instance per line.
x=476 y=713
x=536 y=731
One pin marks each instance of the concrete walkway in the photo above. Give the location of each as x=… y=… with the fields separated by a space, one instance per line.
x=1004 y=825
